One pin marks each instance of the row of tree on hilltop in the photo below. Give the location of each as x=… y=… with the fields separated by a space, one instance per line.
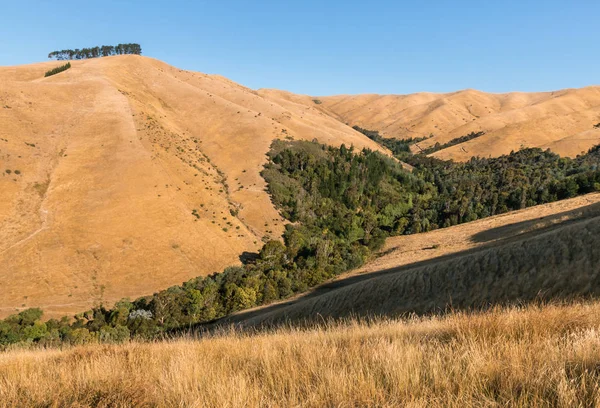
x=95 y=52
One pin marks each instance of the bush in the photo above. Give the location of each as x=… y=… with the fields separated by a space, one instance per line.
x=57 y=70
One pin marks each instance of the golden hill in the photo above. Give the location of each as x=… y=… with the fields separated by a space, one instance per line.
x=562 y=121
x=124 y=175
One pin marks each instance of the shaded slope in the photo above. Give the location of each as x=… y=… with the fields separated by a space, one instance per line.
x=124 y=175
x=562 y=120
x=549 y=257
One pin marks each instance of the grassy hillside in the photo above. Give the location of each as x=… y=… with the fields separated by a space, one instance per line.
x=159 y=185
x=341 y=205
x=405 y=250
x=534 y=356
x=123 y=175
x=561 y=120
x=560 y=261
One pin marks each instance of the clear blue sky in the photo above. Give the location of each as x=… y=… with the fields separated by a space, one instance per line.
x=331 y=47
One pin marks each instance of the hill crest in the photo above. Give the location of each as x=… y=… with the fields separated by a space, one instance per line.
x=562 y=121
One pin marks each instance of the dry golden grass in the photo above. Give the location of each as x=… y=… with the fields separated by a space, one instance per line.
x=534 y=356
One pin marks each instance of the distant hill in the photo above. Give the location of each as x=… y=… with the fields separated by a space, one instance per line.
x=563 y=121
x=123 y=175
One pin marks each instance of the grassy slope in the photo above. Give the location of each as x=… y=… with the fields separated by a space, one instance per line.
x=562 y=120
x=548 y=258
x=517 y=357
x=114 y=155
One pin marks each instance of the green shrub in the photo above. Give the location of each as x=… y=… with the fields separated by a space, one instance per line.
x=57 y=70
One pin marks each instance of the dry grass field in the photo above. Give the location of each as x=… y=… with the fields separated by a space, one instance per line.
x=562 y=120
x=517 y=357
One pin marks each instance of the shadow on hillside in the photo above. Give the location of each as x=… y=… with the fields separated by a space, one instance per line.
x=246 y=256
x=510 y=233
x=537 y=224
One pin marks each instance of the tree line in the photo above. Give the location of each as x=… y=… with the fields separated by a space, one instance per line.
x=395 y=145
x=95 y=52
x=400 y=146
x=342 y=205
x=440 y=146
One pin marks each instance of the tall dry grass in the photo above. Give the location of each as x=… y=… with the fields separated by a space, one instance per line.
x=537 y=356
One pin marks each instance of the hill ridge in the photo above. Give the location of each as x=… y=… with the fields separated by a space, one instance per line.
x=560 y=120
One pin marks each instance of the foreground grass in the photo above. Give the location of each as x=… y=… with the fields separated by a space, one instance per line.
x=535 y=356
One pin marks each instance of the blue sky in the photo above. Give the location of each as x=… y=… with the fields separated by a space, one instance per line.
x=331 y=47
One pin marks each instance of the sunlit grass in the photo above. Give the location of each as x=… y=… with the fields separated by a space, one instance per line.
x=534 y=356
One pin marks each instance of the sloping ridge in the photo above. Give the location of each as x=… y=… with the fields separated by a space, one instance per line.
x=562 y=120
x=123 y=175
x=553 y=261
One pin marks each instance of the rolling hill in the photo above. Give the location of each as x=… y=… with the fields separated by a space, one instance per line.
x=124 y=175
x=563 y=121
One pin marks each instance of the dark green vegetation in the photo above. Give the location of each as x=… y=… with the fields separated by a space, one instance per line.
x=458 y=140
x=395 y=145
x=95 y=52
x=57 y=70
x=343 y=204
x=400 y=146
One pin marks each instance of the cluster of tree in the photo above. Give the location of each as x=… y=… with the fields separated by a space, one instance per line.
x=27 y=327
x=455 y=141
x=395 y=145
x=401 y=146
x=57 y=70
x=342 y=204
x=95 y=52
x=483 y=187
